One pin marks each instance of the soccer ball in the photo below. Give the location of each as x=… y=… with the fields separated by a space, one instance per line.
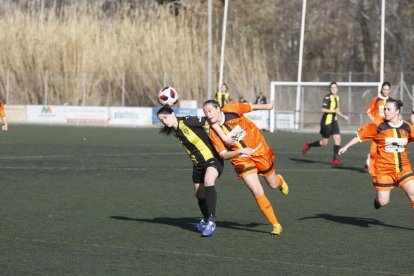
x=168 y=96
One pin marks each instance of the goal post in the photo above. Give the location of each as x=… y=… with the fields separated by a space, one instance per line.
x=296 y=102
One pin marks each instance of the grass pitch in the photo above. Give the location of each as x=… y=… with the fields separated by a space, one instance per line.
x=114 y=201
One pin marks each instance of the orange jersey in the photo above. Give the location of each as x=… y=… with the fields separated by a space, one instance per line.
x=391 y=144
x=376 y=108
x=237 y=126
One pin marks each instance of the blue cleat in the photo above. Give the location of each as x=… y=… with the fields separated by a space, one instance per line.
x=200 y=226
x=209 y=229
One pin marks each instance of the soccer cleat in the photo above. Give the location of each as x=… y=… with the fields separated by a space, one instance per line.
x=336 y=162
x=306 y=147
x=277 y=229
x=377 y=205
x=200 y=226
x=284 y=188
x=209 y=229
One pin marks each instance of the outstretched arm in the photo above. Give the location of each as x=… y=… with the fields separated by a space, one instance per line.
x=244 y=152
x=268 y=106
x=338 y=112
x=353 y=141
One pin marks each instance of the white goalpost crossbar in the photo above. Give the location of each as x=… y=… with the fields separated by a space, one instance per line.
x=297 y=110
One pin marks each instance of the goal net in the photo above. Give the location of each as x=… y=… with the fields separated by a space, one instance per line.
x=298 y=104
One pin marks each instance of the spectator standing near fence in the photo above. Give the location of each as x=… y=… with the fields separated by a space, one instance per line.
x=261 y=99
x=223 y=96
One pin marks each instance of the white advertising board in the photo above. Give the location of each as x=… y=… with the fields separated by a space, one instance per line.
x=285 y=120
x=87 y=115
x=16 y=113
x=130 y=116
x=46 y=114
x=260 y=118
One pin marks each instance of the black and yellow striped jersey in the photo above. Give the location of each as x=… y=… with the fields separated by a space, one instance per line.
x=330 y=102
x=194 y=138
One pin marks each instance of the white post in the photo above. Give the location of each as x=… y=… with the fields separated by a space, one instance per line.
x=302 y=104
x=382 y=41
x=272 y=112
x=412 y=96
x=84 y=89
x=46 y=86
x=298 y=90
x=123 y=89
x=7 y=86
x=349 y=96
x=402 y=86
x=210 y=49
x=223 y=41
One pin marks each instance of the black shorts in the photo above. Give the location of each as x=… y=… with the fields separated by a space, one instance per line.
x=328 y=130
x=199 y=171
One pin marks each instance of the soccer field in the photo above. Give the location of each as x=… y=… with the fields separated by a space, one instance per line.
x=115 y=201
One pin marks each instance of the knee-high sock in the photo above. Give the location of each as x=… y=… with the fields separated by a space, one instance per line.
x=314 y=144
x=266 y=209
x=336 y=151
x=412 y=204
x=203 y=208
x=211 y=199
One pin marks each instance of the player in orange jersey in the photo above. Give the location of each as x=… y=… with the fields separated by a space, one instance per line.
x=5 y=126
x=375 y=112
x=392 y=167
x=250 y=155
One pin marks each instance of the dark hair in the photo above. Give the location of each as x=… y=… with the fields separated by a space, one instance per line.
x=212 y=102
x=385 y=83
x=165 y=110
x=397 y=103
x=332 y=83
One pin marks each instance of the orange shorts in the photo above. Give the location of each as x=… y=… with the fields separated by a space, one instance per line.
x=260 y=162
x=387 y=182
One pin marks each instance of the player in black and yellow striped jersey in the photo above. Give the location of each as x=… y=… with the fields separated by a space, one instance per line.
x=329 y=124
x=207 y=164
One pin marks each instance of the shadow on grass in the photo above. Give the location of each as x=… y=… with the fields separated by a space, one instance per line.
x=189 y=223
x=357 y=221
x=341 y=167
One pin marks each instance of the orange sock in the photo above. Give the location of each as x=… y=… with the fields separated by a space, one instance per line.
x=412 y=204
x=266 y=209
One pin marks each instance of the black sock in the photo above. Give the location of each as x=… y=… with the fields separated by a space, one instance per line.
x=211 y=198
x=336 y=151
x=202 y=203
x=314 y=144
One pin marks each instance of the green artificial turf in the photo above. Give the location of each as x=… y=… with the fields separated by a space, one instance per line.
x=118 y=201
